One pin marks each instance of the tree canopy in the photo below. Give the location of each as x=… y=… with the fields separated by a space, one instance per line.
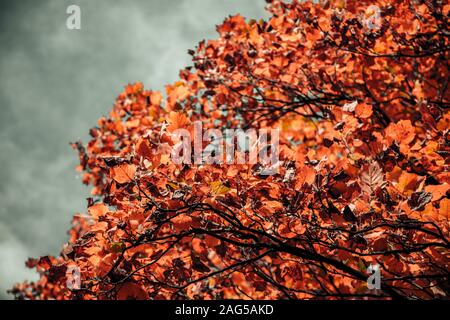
x=359 y=91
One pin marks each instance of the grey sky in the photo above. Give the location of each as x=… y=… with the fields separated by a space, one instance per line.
x=55 y=83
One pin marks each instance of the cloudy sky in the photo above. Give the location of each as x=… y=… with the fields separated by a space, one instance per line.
x=55 y=83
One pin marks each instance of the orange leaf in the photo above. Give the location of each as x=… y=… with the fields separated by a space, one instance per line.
x=197 y=245
x=123 y=173
x=143 y=149
x=131 y=291
x=402 y=132
x=407 y=182
x=444 y=207
x=211 y=241
x=305 y=175
x=98 y=210
x=218 y=188
x=363 y=111
x=156 y=98
x=134 y=88
x=182 y=222
x=271 y=207
x=103 y=265
x=438 y=191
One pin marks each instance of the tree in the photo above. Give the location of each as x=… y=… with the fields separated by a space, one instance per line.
x=360 y=93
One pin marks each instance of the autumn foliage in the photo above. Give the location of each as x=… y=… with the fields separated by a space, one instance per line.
x=363 y=114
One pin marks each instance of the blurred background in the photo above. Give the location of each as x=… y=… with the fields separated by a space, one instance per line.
x=55 y=83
